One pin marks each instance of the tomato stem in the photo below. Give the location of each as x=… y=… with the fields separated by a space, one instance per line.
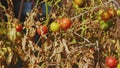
x=48 y=15
x=37 y=3
x=2 y=7
x=20 y=11
x=46 y=6
x=83 y=26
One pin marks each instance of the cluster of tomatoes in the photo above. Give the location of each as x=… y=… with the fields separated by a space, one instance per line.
x=112 y=62
x=107 y=17
x=63 y=23
x=15 y=33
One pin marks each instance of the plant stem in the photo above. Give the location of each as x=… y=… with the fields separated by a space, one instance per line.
x=47 y=18
x=37 y=3
x=3 y=7
x=21 y=5
x=92 y=9
x=46 y=6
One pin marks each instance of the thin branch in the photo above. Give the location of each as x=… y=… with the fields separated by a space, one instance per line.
x=21 y=6
x=96 y=8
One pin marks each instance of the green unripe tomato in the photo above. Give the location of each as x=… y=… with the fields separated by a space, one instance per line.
x=18 y=34
x=104 y=25
x=118 y=65
x=118 y=12
x=54 y=26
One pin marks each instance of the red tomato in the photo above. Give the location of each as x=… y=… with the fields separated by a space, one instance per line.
x=65 y=23
x=19 y=27
x=42 y=30
x=111 y=62
x=105 y=16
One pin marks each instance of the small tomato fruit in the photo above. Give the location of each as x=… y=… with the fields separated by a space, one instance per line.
x=118 y=12
x=79 y=2
x=19 y=27
x=111 y=62
x=42 y=30
x=65 y=23
x=104 y=25
x=54 y=26
x=18 y=34
x=105 y=16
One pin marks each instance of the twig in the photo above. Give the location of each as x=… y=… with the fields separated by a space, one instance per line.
x=114 y=1
x=21 y=5
x=64 y=44
x=82 y=37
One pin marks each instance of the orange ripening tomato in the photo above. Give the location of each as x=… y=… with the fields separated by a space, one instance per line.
x=65 y=23
x=42 y=30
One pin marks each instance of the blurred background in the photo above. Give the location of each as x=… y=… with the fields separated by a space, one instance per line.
x=26 y=7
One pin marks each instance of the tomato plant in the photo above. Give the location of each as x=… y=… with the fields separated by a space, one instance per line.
x=54 y=26
x=79 y=2
x=19 y=27
x=42 y=30
x=111 y=62
x=65 y=23
x=105 y=16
